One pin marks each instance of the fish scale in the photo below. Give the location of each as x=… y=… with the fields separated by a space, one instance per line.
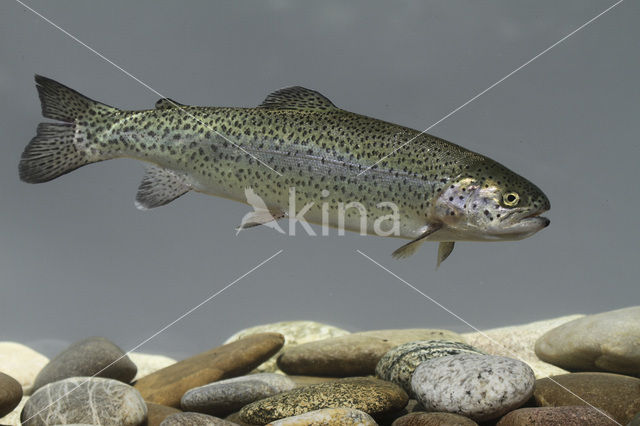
x=295 y=139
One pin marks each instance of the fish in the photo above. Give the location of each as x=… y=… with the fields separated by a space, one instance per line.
x=296 y=147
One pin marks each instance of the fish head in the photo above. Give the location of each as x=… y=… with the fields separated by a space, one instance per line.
x=488 y=202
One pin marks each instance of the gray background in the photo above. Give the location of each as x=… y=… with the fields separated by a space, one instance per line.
x=77 y=258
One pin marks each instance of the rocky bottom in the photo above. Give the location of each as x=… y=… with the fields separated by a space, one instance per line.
x=577 y=370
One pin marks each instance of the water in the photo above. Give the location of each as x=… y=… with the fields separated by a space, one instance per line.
x=78 y=259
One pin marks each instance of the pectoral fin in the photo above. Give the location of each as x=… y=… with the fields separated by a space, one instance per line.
x=444 y=250
x=160 y=186
x=411 y=247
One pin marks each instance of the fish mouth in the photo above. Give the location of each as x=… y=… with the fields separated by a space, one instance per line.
x=524 y=227
x=537 y=218
x=528 y=225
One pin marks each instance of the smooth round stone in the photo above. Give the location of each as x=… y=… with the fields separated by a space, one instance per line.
x=356 y=354
x=556 y=416
x=481 y=387
x=328 y=417
x=194 y=419
x=635 y=421
x=399 y=363
x=10 y=394
x=226 y=396
x=294 y=332
x=372 y=396
x=13 y=418
x=615 y=394
x=95 y=356
x=149 y=363
x=518 y=342
x=22 y=363
x=168 y=385
x=434 y=419
x=92 y=400
x=603 y=342
x=156 y=413
x=235 y=418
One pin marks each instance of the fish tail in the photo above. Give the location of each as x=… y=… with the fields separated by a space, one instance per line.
x=57 y=148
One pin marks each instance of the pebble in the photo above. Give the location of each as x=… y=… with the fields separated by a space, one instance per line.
x=226 y=396
x=148 y=363
x=556 y=416
x=10 y=394
x=311 y=380
x=481 y=387
x=156 y=413
x=294 y=332
x=399 y=363
x=194 y=419
x=166 y=386
x=615 y=394
x=603 y=342
x=235 y=418
x=355 y=354
x=13 y=418
x=93 y=356
x=518 y=342
x=373 y=396
x=434 y=419
x=328 y=417
x=635 y=421
x=96 y=401
x=22 y=363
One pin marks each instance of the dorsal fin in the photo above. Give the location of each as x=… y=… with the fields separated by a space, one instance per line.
x=164 y=103
x=297 y=97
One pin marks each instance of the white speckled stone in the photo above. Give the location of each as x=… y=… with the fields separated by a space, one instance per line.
x=226 y=396
x=328 y=417
x=294 y=332
x=91 y=400
x=399 y=363
x=482 y=387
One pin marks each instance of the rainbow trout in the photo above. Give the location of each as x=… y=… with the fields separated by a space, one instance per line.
x=296 y=147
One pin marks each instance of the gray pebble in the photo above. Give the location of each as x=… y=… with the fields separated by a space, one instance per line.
x=194 y=419
x=93 y=356
x=90 y=400
x=482 y=387
x=226 y=396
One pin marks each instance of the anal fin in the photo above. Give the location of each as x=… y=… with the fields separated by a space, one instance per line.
x=261 y=214
x=160 y=186
x=412 y=246
x=259 y=217
x=444 y=250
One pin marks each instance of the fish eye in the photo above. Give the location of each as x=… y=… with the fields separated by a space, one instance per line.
x=511 y=199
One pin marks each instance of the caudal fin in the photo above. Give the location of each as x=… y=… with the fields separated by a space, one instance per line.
x=55 y=151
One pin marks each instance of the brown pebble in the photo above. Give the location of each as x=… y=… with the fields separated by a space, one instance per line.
x=156 y=413
x=10 y=394
x=615 y=394
x=556 y=416
x=433 y=419
x=166 y=386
